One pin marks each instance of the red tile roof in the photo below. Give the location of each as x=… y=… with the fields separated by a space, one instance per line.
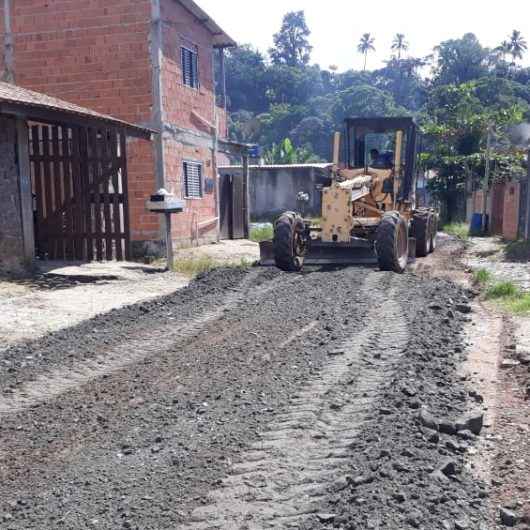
x=26 y=100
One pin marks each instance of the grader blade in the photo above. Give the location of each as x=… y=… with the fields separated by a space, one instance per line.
x=358 y=252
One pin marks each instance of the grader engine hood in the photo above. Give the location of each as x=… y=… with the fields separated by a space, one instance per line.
x=337 y=200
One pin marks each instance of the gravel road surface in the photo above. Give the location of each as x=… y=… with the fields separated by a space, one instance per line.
x=249 y=399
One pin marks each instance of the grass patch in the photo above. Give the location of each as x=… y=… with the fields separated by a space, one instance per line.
x=519 y=305
x=261 y=233
x=510 y=297
x=192 y=267
x=502 y=290
x=460 y=230
x=482 y=277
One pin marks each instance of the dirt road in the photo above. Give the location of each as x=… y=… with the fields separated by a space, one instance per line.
x=250 y=399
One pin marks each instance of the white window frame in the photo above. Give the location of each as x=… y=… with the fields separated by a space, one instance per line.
x=200 y=166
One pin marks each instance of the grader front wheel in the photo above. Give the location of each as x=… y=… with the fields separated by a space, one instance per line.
x=392 y=243
x=289 y=242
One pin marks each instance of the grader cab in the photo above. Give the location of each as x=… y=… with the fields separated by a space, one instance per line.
x=369 y=212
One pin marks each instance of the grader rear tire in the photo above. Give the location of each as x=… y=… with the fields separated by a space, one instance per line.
x=288 y=244
x=421 y=229
x=433 y=232
x=392 y=243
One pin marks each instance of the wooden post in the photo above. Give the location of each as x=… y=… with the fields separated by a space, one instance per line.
x=246 y=196
x=26 y=198
x=169 y=242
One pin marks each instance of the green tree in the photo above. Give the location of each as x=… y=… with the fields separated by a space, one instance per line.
x=294 y=85
x=518 y=45
x=399 y=44
x=401 y=78
x=286 y=153
x=503 y=49
x=291 y=43
x=460 y=60
x=246 y=79
x=364 y=101
x=458 y=118
x=314 y=133
x=366 y=45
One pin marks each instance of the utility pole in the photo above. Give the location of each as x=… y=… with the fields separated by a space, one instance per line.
x=485 y=183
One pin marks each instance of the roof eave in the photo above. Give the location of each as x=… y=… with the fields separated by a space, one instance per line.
x=220 y=38
x=57 y=115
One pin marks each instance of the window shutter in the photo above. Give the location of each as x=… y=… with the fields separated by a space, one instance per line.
x=190 y=72
x=193 y=179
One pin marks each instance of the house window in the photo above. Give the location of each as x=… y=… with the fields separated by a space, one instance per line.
x=193 y=180
x=190 y=70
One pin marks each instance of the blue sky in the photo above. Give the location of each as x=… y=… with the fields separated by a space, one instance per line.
x=337 y=25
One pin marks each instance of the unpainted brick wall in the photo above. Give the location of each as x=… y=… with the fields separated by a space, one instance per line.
x=180 y=102
x=197 y=223
x=94 y=53
x=97 y=54
x=510 y=223
x=11 y=234
x=181 y=28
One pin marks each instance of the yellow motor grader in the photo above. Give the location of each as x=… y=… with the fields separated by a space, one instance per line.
x=369 y=212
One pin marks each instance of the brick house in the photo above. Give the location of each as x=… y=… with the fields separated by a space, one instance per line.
x=148 y=62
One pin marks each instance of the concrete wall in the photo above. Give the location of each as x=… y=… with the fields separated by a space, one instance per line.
x=274 y=189
x=11 y=232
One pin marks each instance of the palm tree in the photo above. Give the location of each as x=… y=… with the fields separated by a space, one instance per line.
x=366 y=44
x=518 y=45
x=399 y=44
x=504 y=49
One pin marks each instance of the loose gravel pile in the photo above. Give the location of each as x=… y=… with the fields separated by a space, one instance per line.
x=152 y=416
x=408 y=467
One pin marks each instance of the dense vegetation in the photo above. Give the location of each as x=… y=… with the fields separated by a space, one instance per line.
x=459 y=93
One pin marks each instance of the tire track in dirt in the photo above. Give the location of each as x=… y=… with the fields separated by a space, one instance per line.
x=285 y=477
x=134 y=350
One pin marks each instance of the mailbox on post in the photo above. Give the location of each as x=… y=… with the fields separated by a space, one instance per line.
x=163 y=202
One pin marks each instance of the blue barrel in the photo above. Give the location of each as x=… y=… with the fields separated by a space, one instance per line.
x=476 y=224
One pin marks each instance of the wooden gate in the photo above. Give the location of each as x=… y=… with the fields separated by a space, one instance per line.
x=232 y=206
x=79 y=181
x=497 y=208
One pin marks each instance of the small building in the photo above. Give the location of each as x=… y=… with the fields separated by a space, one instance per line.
x=63 y=180
x=149 y=62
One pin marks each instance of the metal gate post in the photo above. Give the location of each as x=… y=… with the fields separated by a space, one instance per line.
x=246 y=196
